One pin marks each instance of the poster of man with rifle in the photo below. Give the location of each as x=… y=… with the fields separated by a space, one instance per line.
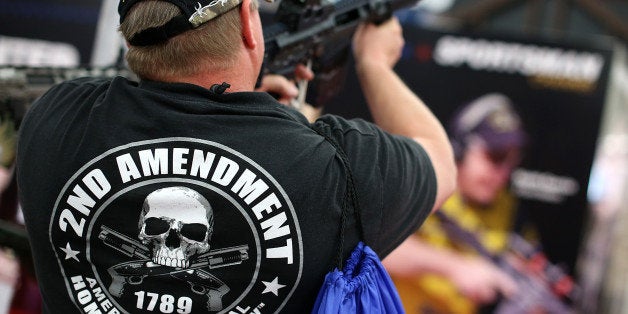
x=557 y=91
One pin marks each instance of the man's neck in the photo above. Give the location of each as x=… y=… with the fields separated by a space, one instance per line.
x=241 y=78
x=237 y=83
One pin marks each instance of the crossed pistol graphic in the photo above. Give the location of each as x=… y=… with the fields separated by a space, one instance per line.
x=200 y=281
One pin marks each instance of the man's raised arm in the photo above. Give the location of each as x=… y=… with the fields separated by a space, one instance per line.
x=394 y=107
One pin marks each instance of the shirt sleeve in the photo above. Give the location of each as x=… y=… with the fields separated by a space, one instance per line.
x=395 y=180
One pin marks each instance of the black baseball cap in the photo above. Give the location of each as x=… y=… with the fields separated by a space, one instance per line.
x=194 y=14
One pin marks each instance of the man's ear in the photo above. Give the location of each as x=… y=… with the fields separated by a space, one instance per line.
x=247 y=24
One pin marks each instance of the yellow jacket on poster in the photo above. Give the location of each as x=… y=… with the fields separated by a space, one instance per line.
x=432 y=293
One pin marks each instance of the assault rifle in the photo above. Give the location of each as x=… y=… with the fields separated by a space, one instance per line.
x=320 y=32
x=542 y=286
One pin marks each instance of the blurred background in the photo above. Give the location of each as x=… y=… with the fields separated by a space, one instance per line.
x=562 y=63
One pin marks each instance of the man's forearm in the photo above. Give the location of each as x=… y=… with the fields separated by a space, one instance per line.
x=414 y=257
x=395 y=108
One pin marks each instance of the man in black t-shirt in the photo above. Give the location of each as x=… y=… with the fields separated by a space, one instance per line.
x=182 y=194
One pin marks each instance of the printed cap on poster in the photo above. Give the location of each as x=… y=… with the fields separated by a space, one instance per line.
x=492 y=118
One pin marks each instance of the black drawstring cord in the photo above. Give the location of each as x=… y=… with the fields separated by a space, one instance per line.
x=350 y=194
x=219 y=89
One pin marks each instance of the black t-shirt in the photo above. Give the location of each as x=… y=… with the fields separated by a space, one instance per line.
x=170 y=198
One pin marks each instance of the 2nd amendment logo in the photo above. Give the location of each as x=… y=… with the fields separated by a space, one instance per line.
x=176 y=225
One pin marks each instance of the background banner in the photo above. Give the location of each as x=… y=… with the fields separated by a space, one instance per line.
x=64 y=31
x=557 y=88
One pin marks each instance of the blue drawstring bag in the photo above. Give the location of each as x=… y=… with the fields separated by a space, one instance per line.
x=363 y=284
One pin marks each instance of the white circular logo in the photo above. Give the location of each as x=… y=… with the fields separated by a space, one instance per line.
x=176 y=225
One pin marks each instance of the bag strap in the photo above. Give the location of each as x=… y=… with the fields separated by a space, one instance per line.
x=350 y=194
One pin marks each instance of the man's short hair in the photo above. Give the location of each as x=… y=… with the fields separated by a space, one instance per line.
x=213 y=44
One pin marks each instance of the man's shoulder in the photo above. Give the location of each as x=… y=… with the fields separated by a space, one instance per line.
x=84 y=83
x=339 y=125
x=62 y=105
x=68 y=92
x=75 y=91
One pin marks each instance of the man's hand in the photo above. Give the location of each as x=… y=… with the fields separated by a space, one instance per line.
x=10 y=269
x=379 y=44
x=473 y=276
x=480 y=280
x=280 y=85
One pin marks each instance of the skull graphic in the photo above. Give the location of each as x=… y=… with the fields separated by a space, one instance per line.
x=178 y=223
